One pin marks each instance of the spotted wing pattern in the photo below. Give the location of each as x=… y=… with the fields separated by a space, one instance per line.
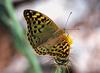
x=45 y=37
x=40 y=27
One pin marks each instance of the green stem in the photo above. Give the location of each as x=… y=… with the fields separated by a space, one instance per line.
x=62 y=69
x=18 y=35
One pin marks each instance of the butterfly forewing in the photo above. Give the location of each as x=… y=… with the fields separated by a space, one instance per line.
x=40 y=27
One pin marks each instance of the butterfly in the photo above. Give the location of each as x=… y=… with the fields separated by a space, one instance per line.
x=46 y=37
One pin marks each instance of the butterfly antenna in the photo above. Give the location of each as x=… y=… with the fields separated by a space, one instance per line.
x=67 y=22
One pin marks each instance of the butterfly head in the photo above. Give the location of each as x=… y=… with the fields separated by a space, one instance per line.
x=62 y=61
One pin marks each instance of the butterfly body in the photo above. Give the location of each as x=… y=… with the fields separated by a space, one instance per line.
x=46 y=37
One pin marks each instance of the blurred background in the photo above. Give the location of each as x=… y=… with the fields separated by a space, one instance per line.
x=85 y=51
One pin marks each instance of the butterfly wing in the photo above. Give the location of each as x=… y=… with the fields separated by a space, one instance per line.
x=46 y=38
x=40 y=27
